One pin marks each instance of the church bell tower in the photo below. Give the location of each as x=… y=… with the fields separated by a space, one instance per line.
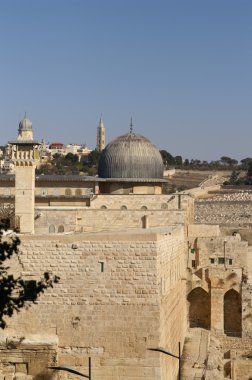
x=100 y=136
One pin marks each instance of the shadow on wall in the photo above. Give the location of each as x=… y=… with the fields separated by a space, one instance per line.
x=200 y=308
x=46 y=375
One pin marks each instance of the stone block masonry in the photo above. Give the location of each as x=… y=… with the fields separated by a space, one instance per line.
x=115 y=292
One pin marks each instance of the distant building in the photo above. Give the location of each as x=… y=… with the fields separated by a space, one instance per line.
x=57 y=147
x=7 y=166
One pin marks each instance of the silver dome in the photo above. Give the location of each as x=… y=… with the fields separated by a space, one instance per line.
x=130 y=156
x=25 y=124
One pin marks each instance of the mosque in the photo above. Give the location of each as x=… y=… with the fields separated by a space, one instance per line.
x=135 y=273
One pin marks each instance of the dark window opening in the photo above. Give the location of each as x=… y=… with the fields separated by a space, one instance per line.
x=102 y=266
x=30 y=290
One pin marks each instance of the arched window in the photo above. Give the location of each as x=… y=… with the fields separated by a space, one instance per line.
x=232 y=313
x=199 y=308
x=123 y=207
x=68 y=192
x=78 y=192
x=51 y=229
x=144 y=208
x=60 y=229
x=103 y=207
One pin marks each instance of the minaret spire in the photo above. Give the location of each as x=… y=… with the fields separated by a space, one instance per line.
x=100 y=136
x=131 y=125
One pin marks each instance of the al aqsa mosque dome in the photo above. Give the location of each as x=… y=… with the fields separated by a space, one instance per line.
x=133 y=164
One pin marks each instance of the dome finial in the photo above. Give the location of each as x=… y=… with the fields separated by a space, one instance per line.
x=131 y=125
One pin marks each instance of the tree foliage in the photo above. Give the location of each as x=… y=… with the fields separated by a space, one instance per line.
x=70 y=164
x=168 y=159
x=228 y=161
x=15 y=292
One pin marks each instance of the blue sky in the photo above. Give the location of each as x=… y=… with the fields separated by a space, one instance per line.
x=181 y=69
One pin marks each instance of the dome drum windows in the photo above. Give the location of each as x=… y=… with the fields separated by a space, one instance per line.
x=78 y=192
x=68 y=192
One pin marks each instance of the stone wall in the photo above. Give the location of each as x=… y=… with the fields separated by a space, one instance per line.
x=218 y=252
x=136 y=202
x=173 y=322
x=218 y=267
x=114 y=300
x=232 y=209
x=84 y=220
x=115 y=212
x=25 y=357
x=238 y=353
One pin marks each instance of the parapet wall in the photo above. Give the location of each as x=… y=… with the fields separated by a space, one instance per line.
x=86 y=220
x=116 y=212
x=136 y=202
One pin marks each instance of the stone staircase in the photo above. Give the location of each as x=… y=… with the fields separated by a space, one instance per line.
x=195 y=354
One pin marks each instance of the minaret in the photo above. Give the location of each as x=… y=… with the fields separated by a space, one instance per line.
x=100 y=136
x=131 y=125
x=25 y=131
x=25 y=156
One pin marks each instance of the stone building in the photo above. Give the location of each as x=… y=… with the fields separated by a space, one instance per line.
x=135 y=272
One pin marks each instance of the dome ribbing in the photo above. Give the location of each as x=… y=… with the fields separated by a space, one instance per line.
x=25 y=124
x=130 y=156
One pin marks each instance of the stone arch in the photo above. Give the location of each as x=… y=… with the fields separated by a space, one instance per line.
x=199 y=308
x=123 y=207
x=144 y=208
x=78 y=192
x=103 y=207
x=232 y=313
x=51 y=229
x=61 y=229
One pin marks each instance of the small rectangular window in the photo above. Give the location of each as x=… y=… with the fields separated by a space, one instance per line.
x=30 y=290
x=212 y=260
x=230 y=261
x=193 y=264
x=102 y=265
x=221 y=260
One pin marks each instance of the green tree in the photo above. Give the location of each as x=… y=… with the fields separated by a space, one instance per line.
x=93 y=158
x=249 y=171
x=178 y=160
x=168 y=159
x=227 y=161
x=73 y=158
x=16 y=292
x=234 y=178
x=246 y=162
